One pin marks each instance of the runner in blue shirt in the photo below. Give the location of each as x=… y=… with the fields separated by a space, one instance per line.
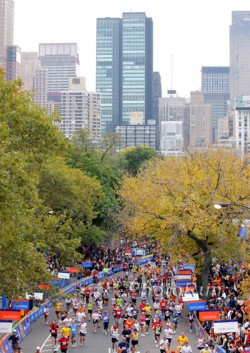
x=105 y=320
x=123 y=346
x=73 y=327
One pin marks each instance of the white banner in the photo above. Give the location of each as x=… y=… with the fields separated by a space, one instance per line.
x=225 y=326
x=38 y=296
x=189 y=297
x=63 y=275
x=5 y=327
x=182 y=277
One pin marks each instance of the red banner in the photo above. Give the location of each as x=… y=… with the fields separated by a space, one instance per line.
x=209 y=315
x=10 y=315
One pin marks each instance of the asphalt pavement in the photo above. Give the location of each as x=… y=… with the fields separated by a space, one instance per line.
x=99 y=342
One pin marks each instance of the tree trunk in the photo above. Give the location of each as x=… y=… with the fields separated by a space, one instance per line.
x=205 y=272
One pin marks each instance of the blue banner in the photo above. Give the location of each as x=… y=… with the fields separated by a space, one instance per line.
x=17 y=304
x=188 y=267
x=183 y=283
x=87 y=264
x=196 y=306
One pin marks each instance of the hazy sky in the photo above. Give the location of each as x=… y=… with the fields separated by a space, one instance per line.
x=194 y=32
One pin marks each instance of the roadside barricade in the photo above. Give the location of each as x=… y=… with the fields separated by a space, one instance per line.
x=24 y=326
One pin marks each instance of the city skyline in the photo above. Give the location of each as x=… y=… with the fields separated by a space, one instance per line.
x=190 y=35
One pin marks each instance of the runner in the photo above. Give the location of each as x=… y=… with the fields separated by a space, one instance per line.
x=186 y=348
x=123 y=346
x=169 y=333
x=134 y=338
x=163 y=344
x=157 y=326
x=114 y=333
x=191 y=320
x=83 y=332
x=73 y=330
x=46 y=314
x=105 y=320
x=53 y=331
x=58 y=309
x=95 y=318
x=64 y=342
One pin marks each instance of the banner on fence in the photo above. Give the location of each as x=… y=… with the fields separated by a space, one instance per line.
x=224 y=326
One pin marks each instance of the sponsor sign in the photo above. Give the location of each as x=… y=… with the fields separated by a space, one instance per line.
x=183 y=283
x=20 y=304
x=43 y=286
x=197 y=306
x=140 y=252
x=224 y=326
x=188 y=267
x=189 y=297
x=13 y=315
x=73 y=270
x=5 y=326
x=38 y=296
x=87 y=264
x=185 y=272
x=64 y=275
x=183 y=277
x=209 y=315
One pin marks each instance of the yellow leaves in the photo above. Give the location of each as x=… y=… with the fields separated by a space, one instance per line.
x=174 y=196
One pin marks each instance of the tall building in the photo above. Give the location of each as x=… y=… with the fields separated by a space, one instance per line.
x=200 y=122
x=239 y=55
x=215 y=89
x=242 y=124
x=171 y=117
x=62 y=62
x=124 y=68
x=40 y=87
x=13 y=68
x=6 y=29
x=80 y=109
x=108 y=70
x=157 y=93
x=29 y=65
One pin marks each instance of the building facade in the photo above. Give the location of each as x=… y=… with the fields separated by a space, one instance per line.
x=6 y=29
x=216 y=90
x=200 y=122
x=124 y=68
x=29 y=65
x=137 y=135
x=13 y=68
x=62 y=62
x=242 y=124
x=239 y=55
x=108 y=70
x=80 y=109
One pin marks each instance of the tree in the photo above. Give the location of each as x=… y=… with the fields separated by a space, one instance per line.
x=172 y=201
x=133 y=158
x=42 y=200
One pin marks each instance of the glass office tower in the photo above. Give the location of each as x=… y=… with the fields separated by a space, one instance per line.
x=137 y=66
x=124 y=68
x=108 y=71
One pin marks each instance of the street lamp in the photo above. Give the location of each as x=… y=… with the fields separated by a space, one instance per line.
x=219 y=205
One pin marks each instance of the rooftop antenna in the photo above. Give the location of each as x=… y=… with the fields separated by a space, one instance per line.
x=171 y=91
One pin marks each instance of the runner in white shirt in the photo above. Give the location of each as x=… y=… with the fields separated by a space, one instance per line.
x=169 y=333
x=80 y=316
x=186 y=348
x=163 y=344
x=95 y=318
x=114 y=333
x=83 y=332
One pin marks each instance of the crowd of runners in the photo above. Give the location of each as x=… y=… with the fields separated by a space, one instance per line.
x=140 y=301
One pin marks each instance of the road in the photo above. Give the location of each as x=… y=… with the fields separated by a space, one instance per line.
x=98 y=342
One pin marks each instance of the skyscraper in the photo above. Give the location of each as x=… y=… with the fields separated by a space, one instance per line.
x=62 y=62
x=6 y=29
x=108 y=70
x=124 y=68
x=13 y=65
x=29 y=65
x=239 y=55
x=137 y=66
x=215 y=89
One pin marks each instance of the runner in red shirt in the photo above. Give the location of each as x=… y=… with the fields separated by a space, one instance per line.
x=64 y=342
x=118 y=315
x=163 y=305
x=87 y=293
x=53 y=331
x=142 y=306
